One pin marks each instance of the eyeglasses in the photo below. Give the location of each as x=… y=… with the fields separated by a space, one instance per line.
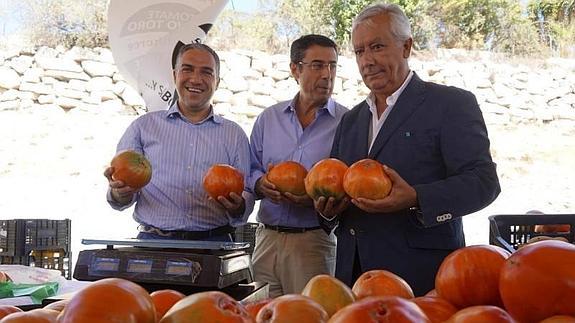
x=319 y=66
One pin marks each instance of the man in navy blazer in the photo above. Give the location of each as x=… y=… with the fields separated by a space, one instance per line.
x=433 y=142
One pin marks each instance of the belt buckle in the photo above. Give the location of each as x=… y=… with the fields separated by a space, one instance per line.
x=154 y=230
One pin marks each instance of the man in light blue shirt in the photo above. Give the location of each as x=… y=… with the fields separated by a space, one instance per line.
x=290 y=246
x=181 y=144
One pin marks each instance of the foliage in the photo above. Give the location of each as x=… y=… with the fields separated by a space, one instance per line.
x=423 y=26
x=474 y=24
x=500 y=25
x=555 y=21
x=239 y=30
x=342 y=14
x=304 y=17
x=66 y=22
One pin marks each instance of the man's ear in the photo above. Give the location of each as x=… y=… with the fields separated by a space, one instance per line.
x=407 y=47
x=218 y=82
x=294 y=71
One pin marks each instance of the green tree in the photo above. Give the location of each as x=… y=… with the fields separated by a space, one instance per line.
x=241 y=30
x=423 y=25
x=555 y=21
x=473 y=23
x=342 y=14
x=66 y=22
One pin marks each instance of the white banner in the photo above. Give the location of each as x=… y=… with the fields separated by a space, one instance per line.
x=143 y=35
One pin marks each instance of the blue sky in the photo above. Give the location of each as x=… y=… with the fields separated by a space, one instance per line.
x=9 y=11
x=243 y=5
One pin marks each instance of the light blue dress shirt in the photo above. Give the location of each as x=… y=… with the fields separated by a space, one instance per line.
x=180 y=153
x=278 y=136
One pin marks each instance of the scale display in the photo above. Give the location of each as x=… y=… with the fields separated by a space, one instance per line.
x=106 y=264
x=178 y=268
x=139 y=266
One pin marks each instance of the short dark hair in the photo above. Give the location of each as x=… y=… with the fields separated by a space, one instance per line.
x=300 y=45
x=200 y=46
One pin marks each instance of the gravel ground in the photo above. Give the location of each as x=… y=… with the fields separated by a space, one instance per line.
x=51 y=166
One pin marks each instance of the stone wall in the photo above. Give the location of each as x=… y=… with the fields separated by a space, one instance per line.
x=83 y=79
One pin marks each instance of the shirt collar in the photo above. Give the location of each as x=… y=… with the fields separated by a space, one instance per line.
x=174 y=111
x=392 y=99
x=329 y=106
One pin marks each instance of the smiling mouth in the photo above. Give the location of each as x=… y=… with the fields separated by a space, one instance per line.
x=193 y=89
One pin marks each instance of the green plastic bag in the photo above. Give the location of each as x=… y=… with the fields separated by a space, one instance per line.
x=36 y=291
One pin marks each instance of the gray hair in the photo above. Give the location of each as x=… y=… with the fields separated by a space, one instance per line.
x=400 y=26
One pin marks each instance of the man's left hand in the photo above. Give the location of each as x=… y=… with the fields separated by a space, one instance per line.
x=402 y=196
x=234 y=204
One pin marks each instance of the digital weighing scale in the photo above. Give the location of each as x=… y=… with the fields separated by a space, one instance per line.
x=184 y=265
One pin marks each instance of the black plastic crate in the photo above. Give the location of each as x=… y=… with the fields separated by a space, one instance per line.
x=44 y=234
x=509 y=231
x=8 y=233
x=48 y=259
x=247 y=233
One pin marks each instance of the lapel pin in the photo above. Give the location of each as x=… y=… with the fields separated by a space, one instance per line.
x=408 y=134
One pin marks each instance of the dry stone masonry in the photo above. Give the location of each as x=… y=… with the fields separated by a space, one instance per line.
x=86 y=80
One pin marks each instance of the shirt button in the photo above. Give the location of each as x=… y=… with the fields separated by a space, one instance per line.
x=352 y=232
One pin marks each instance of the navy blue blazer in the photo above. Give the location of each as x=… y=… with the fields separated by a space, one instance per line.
x=436 y=139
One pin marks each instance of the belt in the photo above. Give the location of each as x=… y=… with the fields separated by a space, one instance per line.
x=188 y=235
x=283 y=229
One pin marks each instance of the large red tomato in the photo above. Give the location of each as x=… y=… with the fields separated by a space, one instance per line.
x=481 y=314
x=559 y=319
x=380 y=282
x=8 y=309
x=253 y=308
x=552 y=228
x=325 y=178
x=221 y=180
x=386 y=309
x=328 y=291
x=33 y=316
x=164 y=300
x=132 y=168
x=538 y=281
x=110 y=300
x=57 y=306
x=212 y=306
x=292 y=308
x=288 y=176
x=437 y=309
x=470 y=276
x=366 y=178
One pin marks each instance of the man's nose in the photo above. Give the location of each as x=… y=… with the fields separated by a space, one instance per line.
x=195 y=76
x=366 y=59
x=326 y=72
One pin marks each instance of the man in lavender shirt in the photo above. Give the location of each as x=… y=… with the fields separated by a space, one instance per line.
x=181 y=143
x=290 y=246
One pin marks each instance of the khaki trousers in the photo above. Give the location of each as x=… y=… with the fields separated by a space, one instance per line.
x=287 y=261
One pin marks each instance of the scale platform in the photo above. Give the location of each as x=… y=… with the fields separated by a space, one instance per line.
x=189 y=266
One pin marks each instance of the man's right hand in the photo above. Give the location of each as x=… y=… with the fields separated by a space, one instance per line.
x=268 y=189
x=329 y=208
x=121 y=193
